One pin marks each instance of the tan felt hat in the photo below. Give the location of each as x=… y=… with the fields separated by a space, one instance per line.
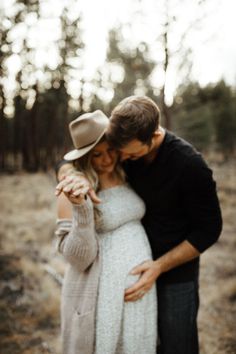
x=86 y=131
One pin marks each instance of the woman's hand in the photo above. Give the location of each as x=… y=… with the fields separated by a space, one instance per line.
x=75 y=200
x=75 y=188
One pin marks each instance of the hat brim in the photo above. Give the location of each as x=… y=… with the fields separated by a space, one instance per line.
x=77 y=153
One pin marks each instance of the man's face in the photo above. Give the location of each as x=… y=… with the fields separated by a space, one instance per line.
x=134 y=150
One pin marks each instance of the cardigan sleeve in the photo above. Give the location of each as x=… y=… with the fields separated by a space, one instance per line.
x=76 y=238
x=201 y=204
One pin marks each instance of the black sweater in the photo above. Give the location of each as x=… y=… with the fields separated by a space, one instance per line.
x=181 y=202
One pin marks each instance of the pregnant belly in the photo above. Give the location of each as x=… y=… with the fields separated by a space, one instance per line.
x=123 y=249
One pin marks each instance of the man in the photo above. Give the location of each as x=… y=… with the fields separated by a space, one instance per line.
x=182 y=217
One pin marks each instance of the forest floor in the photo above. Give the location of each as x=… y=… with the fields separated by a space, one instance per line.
x=31 y=272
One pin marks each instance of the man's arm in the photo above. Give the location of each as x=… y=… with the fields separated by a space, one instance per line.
x=201 y=204
x=201 y=207
x=62 y=169
x=151 y=270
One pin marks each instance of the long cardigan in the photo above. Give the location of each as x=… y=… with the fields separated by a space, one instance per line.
x=78 y=242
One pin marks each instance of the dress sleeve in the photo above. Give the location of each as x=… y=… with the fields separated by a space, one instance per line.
x=201 y=204
x=76 y=238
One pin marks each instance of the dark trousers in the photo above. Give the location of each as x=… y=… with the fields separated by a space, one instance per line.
x=177 y=318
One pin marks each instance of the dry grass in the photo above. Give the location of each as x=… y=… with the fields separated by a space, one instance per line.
x=217 y=317
x=30 y=296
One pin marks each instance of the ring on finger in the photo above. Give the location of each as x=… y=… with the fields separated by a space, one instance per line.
x=141 y=293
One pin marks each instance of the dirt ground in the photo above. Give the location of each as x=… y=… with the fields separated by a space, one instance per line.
x=31 y=272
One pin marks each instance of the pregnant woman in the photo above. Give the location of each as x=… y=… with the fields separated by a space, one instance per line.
x=102 y=244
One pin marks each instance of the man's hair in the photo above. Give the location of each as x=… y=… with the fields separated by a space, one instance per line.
x=135 y=117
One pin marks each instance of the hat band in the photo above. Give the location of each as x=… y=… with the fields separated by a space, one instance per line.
x=84 y=146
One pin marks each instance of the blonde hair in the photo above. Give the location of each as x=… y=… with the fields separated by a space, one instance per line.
x=84 y=165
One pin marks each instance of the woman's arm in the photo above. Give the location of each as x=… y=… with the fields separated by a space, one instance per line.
x=64 y=207
x=76 y=238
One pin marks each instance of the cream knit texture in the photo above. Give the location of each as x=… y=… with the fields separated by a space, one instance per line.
x=95 y=318
x=78 y=243
x=123 y=327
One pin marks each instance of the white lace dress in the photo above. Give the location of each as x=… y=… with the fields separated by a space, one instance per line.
x=123 y=327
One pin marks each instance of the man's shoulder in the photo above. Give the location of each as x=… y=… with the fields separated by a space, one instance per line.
x=178 y=150
x=179 y=145
x=175 y=154
x=185 y=154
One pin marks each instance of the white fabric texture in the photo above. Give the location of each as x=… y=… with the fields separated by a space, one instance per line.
x=123 y=327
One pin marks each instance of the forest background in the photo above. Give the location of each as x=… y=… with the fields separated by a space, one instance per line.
x=59 y=59
x=45 y=81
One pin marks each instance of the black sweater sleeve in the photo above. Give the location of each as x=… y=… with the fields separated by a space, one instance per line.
x=201 y=204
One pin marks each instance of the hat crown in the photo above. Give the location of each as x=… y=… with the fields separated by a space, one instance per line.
x=87 y=128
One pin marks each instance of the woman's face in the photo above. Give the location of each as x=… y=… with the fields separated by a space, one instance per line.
x=104 y=158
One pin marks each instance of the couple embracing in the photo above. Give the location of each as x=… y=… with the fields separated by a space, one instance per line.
x=137 y=205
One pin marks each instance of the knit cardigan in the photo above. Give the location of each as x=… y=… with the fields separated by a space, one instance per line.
x=78 y=243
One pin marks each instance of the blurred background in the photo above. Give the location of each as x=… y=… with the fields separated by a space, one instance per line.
x=61 y=58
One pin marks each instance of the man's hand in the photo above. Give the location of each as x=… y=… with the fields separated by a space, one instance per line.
x=76 y=186
x=64 y=170
x=149 y=271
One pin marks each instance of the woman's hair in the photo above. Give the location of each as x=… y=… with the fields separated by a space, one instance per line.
x=84 y=165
